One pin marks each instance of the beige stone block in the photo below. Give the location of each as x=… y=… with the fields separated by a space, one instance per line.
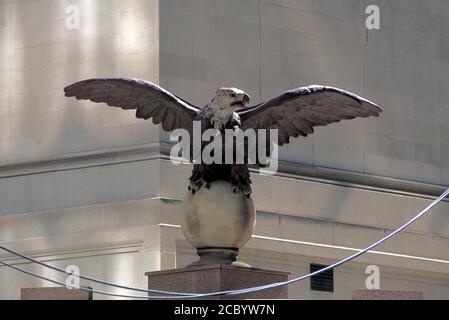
x=168 y=260
x=4 y=128
x=225 y=74
x=6 y=40
x=23 y=126
x=430 y=173
x=233 y=30
x=140 y=64
x=5 y=152
x=347 y=136
x=95 y=25
x=396 y=127
x=196 y=92
x=27 y=81
x=419 y=245
x=119 y=5
x=6 y=62
x=244 y=10
x=5 y=83
x=142 y=180
x=41 y=33
x=140 y=42
x=79 y=219
x=4 y=105
x=84 y=186
x=39 y=56
x=99 y=6
x=30 y=12
x=181 y=41
x=387 y=146
x=299 y=150
x=305 y=229
x=129 y=213
x=267 y=224
x=5 y=16
x=339 y=159
x=168 y=172
x=389 y=167
x=235 y=51
x=133 y=20
x=320 y=6
x=358 y=237
x=183 y=66
x=184 y=15
x=25 y=149
x=92 y=49
x=102 y=115
x=427 y=152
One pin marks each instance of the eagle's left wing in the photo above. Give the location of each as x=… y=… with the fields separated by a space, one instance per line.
x=297 y=111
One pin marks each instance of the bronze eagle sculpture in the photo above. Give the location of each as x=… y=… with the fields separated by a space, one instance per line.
x=293 y=113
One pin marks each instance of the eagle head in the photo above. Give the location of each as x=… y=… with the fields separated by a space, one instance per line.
x=231 y=97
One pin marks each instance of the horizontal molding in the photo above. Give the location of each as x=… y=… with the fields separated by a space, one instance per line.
x=349 y=250
x=359 y=180
x=73 y=254
x=85 y=159
x=161 y=151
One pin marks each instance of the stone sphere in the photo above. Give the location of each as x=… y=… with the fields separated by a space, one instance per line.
x=217 y=217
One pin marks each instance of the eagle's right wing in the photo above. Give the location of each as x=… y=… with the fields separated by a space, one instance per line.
x=149 y=100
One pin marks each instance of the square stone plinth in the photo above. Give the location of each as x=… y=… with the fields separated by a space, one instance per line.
x=218 y=278
x=365 y=294
x=54 y=293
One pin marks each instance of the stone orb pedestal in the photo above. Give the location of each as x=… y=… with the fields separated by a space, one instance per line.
x=217 y=222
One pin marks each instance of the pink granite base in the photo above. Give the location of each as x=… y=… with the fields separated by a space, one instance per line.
x=213 y=278
x=54 y=293
x=365 y=294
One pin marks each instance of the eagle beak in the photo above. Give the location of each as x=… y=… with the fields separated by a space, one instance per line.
x=245 y=100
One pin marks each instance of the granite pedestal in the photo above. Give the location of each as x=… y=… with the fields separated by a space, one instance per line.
x=54 y=293
x=365 y=294
x=211 y=278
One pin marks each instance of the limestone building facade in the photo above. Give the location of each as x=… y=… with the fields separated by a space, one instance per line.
x=91 y=186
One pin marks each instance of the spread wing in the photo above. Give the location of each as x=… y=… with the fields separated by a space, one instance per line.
x=149 y=100
x=296 y=112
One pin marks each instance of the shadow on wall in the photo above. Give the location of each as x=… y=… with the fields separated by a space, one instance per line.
x=45 y=56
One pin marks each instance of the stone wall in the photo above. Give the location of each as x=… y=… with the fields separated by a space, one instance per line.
x=40 y=56
x=269 y=46
x=88 y=185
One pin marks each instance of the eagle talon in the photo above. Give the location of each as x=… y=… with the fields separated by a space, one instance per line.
x=246 y=190
x=196 y=185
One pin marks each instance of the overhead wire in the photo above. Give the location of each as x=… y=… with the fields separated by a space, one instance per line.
x=185 y=295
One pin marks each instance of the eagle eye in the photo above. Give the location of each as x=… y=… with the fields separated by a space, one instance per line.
x=232 y=95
